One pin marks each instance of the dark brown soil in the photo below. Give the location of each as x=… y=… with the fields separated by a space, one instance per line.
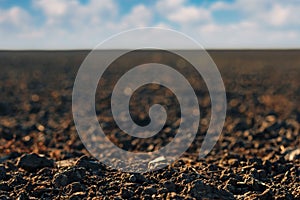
x=257 y=156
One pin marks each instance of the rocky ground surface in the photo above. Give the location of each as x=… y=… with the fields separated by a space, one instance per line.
x=257 y=156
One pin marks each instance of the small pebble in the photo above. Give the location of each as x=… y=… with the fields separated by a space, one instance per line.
x=137 y=178
x=75 y=187
x=170 y=186
x=293 y=155
x=68 y=176
x=33 y=162
x=60 y=180
x=150 y=190
x=126 y=193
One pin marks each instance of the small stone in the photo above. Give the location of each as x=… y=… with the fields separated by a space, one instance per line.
x=65 y=163
x=158 y=163
x=167 y=174
x=69 y=176
x=262 y=174
x=137 y=178
x=126 y=193
x=170 y=186
x=75 y=187
x=88 y=163
x=292 y=155
x=60 y=180
x=33 y=162
x=132 y=178
x=150 y=190
x=271 y=119
x=233 y=162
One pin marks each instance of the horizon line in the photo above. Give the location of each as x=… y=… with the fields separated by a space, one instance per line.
x=208 y=49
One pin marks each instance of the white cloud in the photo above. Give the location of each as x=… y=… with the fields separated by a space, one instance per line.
x=14 y=16
x=278 y=15
x=70 y=24
x=163 y=25
x=71 y=12
x=261 y=24
x=84 y=26
x=53 y=7
x=268 y=12
x=246 y=34
x=220 y=5
x=283 y=15
x=139 y=16
x=169 y=4
x=177 y=11
x=189 y=14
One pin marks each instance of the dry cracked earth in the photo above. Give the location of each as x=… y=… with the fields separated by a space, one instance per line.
x=256 y=157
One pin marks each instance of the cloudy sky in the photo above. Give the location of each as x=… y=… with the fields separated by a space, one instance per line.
x=69 y=24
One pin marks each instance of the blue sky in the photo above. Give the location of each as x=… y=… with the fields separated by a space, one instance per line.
x=80 y=24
